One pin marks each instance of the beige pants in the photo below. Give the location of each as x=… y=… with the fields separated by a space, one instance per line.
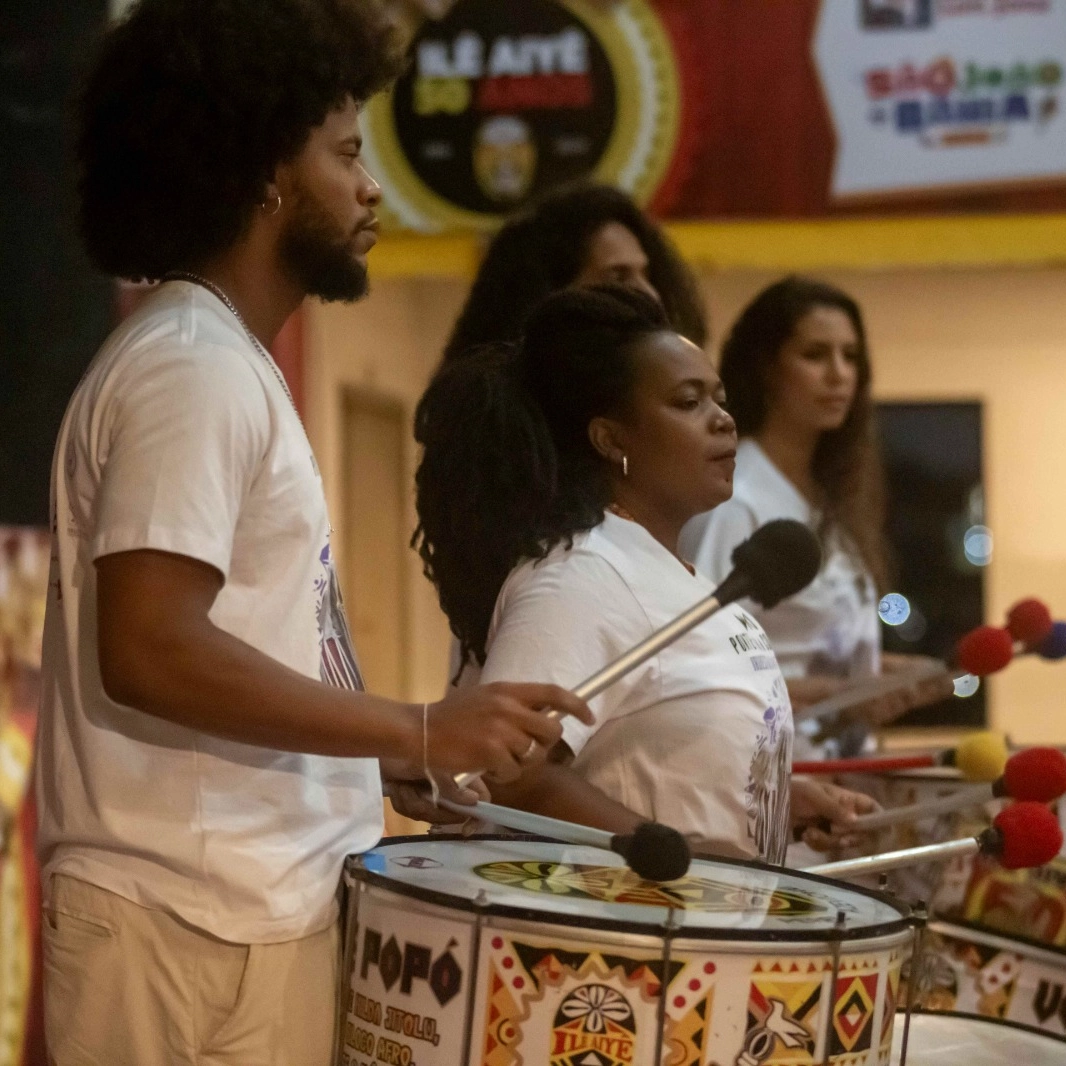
x=127 y=986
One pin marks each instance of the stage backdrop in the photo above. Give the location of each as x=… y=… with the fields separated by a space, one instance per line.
x=728 y=109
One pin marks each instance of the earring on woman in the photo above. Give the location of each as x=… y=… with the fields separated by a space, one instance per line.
x=276 y=204
x=625 y=466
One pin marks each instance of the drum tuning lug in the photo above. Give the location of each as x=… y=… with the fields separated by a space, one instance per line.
x=481 y=899
x=882 y=882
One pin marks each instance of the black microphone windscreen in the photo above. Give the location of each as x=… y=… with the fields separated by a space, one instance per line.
x=777 y=560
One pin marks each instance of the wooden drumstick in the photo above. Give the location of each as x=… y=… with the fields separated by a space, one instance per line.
x=653 y=851
x=1037 y=774
x=983 y=651
x=1022 y=836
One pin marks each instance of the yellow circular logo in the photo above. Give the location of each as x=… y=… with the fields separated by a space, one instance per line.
x=504 y=101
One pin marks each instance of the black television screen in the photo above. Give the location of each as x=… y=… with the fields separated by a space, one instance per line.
x=938 y=537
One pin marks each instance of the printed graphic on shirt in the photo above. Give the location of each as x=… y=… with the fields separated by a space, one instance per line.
x=338 y=666
x=768 y=792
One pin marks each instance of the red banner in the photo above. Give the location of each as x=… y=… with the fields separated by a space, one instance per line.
x=727 y=109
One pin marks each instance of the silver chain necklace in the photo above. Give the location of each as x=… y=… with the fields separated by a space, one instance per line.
x=196 y=279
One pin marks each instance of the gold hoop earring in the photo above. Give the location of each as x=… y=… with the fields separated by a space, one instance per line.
x=276 y=208
x=625 y=466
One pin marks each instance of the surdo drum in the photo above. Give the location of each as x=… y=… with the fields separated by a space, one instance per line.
x=956 y=1040
x=512 y=952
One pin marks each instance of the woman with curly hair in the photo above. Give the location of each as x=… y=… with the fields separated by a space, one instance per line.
x=207 y=758
x=797 y=368
x=577 y=235
x=549 y=516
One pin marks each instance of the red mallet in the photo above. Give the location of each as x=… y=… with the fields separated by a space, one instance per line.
x=1036 y=774
x=988 y=649
x=985 y=650
x=1024 y=835
x=1029 y=836
x=1029 y=622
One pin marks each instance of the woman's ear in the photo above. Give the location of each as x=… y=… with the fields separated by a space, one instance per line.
x=605 y=437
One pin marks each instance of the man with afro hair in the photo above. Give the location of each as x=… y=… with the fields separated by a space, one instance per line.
x=207 y=754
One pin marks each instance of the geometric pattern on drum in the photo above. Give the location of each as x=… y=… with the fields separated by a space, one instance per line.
x=502 y=1032
x=520 y=974
x=853 y=1015
x=594 y=1026
x=685 y=1037
x=891 y=999
x=1028 y=903
x=618 y=884
x=550 y=964
x=958 y=974
x=783 y=1017
x=785 y=1013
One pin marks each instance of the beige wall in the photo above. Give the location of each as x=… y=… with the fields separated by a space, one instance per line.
x=387 y=346
x=998 y=336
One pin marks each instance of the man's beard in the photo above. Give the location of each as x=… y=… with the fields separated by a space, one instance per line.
x=318 y=256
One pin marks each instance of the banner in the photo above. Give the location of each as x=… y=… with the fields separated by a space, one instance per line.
x=504 y=101
x=717 y=109
x=926 y=96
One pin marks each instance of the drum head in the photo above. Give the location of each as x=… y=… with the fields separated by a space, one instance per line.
x=546 y=881
x=964 y=1040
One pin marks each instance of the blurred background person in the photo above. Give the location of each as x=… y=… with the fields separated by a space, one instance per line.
x=796 y=368
x=578 y=235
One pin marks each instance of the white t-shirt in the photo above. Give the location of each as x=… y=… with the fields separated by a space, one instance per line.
x=698 y=737
x=831 y=626
x=181 y=438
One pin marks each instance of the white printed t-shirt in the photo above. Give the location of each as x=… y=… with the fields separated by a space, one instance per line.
x=700 y=736
x=181 y=438
x=830 y=627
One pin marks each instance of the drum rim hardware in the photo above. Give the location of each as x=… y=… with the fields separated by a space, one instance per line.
x=963 y=929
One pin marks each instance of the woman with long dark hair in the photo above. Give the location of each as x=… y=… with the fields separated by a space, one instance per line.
x=797 y=369
x=577 y=235
x=555 y=481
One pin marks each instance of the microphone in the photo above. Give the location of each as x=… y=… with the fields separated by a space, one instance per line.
x=775 y=562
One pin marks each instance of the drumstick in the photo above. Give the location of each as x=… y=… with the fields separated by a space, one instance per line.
x=1022 y=836
x=1036 y=774
x=871 y=688
x=978 y=757
x=775 y=562
x=652 y=851
x=983 y=651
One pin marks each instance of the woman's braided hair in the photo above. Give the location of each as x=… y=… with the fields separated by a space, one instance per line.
x=508 y=470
